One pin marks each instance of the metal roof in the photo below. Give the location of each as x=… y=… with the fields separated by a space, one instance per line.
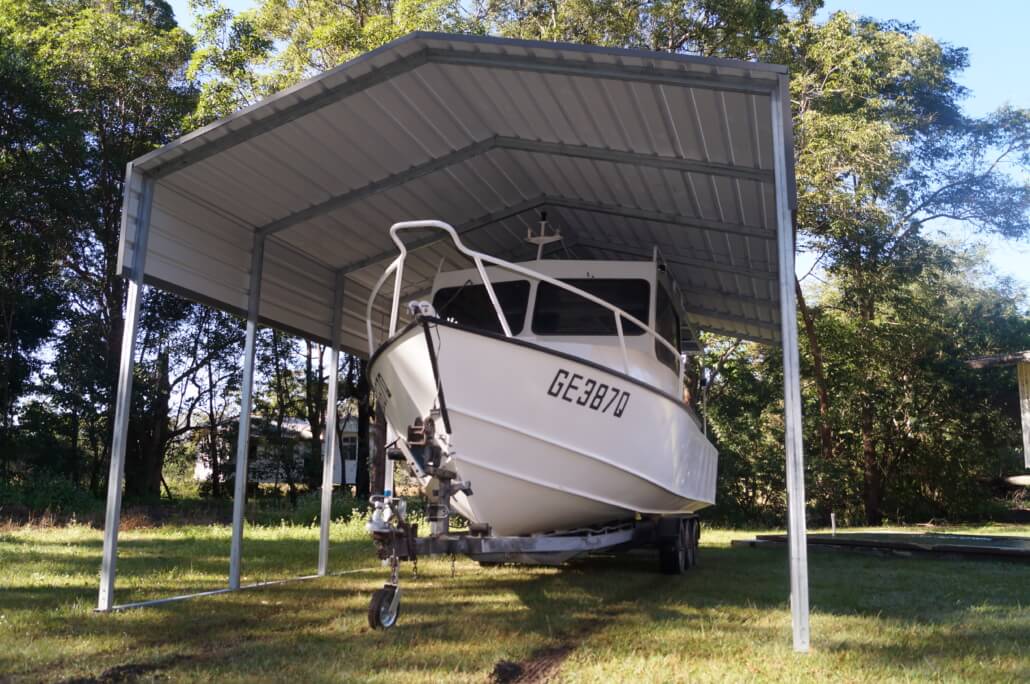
x=625 y=150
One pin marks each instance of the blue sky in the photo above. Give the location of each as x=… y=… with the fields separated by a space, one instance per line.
x=994 y=32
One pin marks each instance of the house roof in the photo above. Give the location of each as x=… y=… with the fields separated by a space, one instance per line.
x=626 y=150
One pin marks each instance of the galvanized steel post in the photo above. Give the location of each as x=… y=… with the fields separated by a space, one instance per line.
x=329 y=447
x=123 y=403
x=796 y=537
x=246 y=402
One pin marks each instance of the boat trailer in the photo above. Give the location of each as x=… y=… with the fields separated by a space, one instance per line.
x=396 y=540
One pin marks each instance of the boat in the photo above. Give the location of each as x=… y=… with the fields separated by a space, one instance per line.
x=541 y=397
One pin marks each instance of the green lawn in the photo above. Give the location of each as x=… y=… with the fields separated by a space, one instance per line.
x=603 y=619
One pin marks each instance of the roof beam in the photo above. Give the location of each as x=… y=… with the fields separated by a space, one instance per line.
x=623 y=157
x=460 y=155
x=543 y=201
x=677 y=259
x=736 y=334
x=474 y=224
x=731 y=318
x=662 y=217
x=719 y=294
x=337 y=202
x=616 y=72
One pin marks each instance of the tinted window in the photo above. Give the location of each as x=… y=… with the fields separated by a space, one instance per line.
x=470 y=305
x=560 y=312
x=667 y=324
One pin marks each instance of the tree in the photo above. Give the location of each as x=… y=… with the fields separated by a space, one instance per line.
x=38 y=210
x=242 y=57
x=725 y=28
x=128 y=98
x=883 y=151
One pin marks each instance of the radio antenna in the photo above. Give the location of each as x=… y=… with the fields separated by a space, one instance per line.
x=542 y=237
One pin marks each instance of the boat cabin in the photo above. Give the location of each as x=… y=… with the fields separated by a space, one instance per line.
x=560 y=319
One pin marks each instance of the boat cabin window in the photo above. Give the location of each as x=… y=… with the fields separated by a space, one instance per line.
x=469 y=305
x=666 y=324
x=560 y=312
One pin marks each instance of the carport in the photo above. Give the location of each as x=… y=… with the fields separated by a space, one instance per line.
x=280 y=212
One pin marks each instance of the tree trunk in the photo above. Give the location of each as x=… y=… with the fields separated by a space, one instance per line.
x=873 y=479
x=314 y=408
x=873 y=474
x=379 y=461
x=216 y=468
x=75 y=467
x=363 y=486
x=145 y=463
x=825 y=428
x=98 y=459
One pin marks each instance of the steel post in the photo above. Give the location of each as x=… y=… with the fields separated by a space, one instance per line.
x=388 y=465
x=246 y=403
x=797 y=541
x=123 y=403
x=330 y=444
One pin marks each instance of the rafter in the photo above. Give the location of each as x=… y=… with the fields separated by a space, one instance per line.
x=678 y=259
x=337 y=202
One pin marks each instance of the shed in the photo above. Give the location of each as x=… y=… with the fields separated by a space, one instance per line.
x=280 y=212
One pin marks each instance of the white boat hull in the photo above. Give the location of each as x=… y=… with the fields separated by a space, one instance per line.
x=547 y=441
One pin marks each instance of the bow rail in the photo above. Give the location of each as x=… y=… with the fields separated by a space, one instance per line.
x=396 y=268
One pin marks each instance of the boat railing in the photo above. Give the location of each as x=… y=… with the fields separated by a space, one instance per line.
x=396 y=268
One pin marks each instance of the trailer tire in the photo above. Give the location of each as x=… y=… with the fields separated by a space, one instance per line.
x=693 y=541
x=380 y=615
x=676 y=555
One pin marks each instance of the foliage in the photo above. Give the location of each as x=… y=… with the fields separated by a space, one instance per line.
x=883 y=152
x=37 y=210
x=725 y=28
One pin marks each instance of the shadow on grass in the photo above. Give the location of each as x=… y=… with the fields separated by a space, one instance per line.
x=461 y=626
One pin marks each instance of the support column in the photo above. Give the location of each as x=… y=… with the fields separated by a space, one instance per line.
x=388 y=465
x=1023 y=375
x=330 y=445
x=246 y=404
x=796 y=536
x=123 y=402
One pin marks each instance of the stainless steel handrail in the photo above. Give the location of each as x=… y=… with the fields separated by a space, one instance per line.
x=397 y=268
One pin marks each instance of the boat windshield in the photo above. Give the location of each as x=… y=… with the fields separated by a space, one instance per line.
x=561 y=312
x=470 y=305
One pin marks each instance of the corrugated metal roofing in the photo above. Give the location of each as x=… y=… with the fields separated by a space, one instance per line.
x=624 y=149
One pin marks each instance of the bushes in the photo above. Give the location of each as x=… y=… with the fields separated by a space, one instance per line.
x=46 y=492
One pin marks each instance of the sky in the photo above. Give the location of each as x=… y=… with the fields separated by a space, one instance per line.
x=994 y=32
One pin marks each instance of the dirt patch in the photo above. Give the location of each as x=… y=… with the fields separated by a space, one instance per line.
x=130 y=672
x=541 y=667
x=544 y=663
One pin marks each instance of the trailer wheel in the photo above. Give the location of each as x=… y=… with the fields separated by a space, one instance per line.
x=693 y=541
x=383 y=611
x=676 y=555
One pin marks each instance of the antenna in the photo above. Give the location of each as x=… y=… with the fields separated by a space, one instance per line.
x=541 y=238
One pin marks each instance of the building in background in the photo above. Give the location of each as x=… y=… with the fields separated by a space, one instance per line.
x=270 y=459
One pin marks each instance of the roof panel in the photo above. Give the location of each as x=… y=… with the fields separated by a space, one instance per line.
x=628 y=149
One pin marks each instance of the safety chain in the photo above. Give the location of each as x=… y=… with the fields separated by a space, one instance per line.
x=409 y=534
x=395 y=565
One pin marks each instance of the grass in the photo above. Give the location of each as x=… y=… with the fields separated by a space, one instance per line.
x=601 y=619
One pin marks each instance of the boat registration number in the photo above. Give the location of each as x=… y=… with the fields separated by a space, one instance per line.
x=588 y=393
